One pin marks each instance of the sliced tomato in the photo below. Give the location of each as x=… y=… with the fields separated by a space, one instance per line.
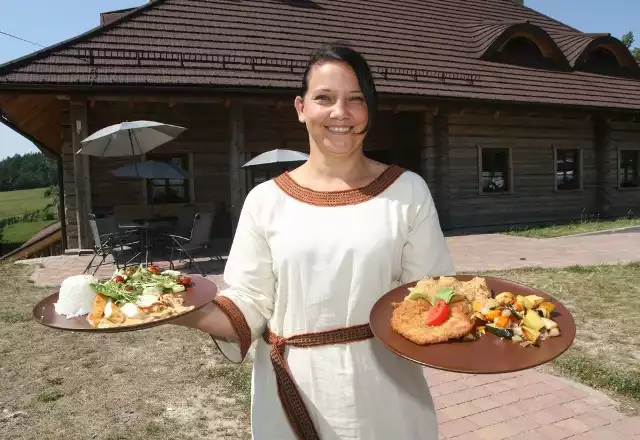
x=118 y=279
x=439 y=313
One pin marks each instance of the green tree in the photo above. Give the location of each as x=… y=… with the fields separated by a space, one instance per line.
x=32 y=170
x=628 y=39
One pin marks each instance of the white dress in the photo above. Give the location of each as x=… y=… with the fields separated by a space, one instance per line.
x=305 y=261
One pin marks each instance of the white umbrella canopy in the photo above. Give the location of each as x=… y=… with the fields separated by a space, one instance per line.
x=275 y=157
x=129 y=138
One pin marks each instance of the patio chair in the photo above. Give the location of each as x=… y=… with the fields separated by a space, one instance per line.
x=184 y=224
x=106 y=244
x=198 y=240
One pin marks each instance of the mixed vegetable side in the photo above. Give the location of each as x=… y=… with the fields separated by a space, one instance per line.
x=525 y=319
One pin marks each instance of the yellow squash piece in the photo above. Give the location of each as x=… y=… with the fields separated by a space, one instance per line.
x=505 y=298
x=532 y=301
x=546 y=308
x=533 y=320
x=530 y=335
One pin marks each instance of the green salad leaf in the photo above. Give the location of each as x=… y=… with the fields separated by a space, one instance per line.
x=444 y=293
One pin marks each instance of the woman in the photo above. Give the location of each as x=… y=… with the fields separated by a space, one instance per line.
x=313 y=251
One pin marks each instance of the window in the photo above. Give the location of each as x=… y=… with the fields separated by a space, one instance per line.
x=169 y=190
x=629 y=168
x=521 y=50
x=568 y=169
x=495 y=170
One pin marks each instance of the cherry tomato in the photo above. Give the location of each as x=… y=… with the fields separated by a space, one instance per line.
x=438 y=314
x=184 y=280
x=153 y=269
x=118 y=279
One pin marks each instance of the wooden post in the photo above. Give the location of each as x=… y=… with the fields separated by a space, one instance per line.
x=237 y=178
x=441 y=140
x=81 y=178
x=602 y=139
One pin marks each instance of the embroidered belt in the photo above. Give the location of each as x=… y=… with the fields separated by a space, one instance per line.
x=290 y=397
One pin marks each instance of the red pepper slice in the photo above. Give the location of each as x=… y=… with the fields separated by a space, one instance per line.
x=438 y=314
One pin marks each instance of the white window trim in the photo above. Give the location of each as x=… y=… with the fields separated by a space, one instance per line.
x=580 y=169
x=480 y=182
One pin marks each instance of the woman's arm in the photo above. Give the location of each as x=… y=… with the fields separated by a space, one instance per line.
x=210 y=319
x=239 y=313
x=425 y=253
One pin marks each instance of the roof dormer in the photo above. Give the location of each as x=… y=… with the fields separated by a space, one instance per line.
x=520 y=43
x=598 y=53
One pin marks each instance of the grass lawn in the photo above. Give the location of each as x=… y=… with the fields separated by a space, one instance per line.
x=552 y=231
x=21 y=232
x=169 y=382
x=17 y=202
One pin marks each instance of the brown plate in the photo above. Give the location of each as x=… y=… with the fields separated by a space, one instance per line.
x=488 y=354
x=201 y=292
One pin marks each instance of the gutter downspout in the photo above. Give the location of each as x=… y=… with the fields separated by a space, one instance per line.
x=51 y=155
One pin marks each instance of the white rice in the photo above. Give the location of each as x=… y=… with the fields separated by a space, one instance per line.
x=76 y=296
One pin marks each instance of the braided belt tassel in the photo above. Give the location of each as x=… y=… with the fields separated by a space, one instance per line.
x=290 y=398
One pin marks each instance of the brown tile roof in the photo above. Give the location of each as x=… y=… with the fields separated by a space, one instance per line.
x=429 y=48
x=111 y=16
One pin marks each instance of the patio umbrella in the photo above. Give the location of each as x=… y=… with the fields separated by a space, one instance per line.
x=129 y=138
x=151 y=170
x=275 y=157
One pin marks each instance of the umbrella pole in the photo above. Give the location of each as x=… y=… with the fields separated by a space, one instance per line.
x=133 y=153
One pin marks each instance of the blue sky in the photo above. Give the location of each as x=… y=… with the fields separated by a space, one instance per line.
x=46 y=22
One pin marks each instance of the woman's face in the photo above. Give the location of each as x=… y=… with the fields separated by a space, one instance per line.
x=333 y=109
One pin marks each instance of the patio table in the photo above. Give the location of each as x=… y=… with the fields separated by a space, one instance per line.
x=148 y=230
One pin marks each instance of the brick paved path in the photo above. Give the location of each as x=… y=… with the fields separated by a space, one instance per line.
x=527 y=405
x=495 y=252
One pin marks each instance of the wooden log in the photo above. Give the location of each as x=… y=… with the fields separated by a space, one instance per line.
x=82 y=179
x=441 y=138
x=237 y=178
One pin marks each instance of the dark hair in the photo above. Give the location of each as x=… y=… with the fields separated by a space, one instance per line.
x=336 y=52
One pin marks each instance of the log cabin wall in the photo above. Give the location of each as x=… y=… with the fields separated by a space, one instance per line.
x=443 y=147
x=624 y=136
x=533 y=197
x=205 y=142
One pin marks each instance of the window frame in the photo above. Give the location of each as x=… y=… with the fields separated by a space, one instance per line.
x=187 y=184
x=619 y=162
x=511 y=187
x=580 y=151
